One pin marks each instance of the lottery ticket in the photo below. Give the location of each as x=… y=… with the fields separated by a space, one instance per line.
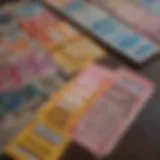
x=38 y=141
x=108 y=29
x=142 y=15
x=55 y=35
x=76 y=54
x=136 y=15
x=74 y=99
x=68 y=31
x=16 y=109
x=85 y=17
x=110 y=114
x=26 y=69
x=130 y=13
x=124 y=39
x=35 y=64
x=22 y=104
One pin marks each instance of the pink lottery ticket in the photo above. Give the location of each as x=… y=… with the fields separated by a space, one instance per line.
x=88 y=83
x=149 y=24
x=130 y=13
x=111 y=113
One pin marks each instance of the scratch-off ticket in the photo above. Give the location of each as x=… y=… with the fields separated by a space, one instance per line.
x=75 y=54
x=73 y=100
x=38 y=141
x=110 y=114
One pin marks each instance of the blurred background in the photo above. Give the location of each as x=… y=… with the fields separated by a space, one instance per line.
x=79 y=80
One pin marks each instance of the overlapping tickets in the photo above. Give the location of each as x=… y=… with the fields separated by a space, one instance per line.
x=68 y=47
x=131 y=44
x=17 y=108
x=48 y=30
x=47 y=136
x=142 y=15
x=19 y=102
x=112 y=112
x=77 y=53
x=36 y=71
x=94 y=109
x=25 y=69
x=38 y=141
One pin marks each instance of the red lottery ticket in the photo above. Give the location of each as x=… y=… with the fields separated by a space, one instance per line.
x=112 y=112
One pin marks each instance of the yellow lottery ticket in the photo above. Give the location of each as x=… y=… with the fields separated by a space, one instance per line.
x=75 y=54
x=38 y=141
x=72 y=101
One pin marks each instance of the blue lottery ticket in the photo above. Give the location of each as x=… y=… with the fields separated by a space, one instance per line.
x=109 y=29
x=85 y=15
x=15 y=99
x=73 y=6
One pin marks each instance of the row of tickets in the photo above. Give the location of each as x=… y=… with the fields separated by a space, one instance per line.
x=37 y=42
x=94 y=110
x=25 y=85
x=130 y=43
x=41 y=52
x=143 y=15
x=64 y=43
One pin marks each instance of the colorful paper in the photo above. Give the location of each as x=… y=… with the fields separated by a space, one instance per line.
x=62 y=111
x=110 y=114
x=38 y=141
